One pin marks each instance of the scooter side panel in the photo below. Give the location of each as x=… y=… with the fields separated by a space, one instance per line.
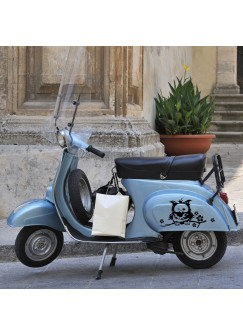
x=34 y=213
x=154 y=199
x=175 y=210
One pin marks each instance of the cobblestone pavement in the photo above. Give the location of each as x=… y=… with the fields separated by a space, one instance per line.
x=144 y=270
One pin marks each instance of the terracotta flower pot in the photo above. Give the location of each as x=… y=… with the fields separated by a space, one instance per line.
x=176 y=145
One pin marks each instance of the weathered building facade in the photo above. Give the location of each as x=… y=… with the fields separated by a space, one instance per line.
x=125 y=81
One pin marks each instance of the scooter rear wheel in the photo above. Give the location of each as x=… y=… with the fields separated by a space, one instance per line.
x=201 y=249
x=37 y=246
x=80 y=195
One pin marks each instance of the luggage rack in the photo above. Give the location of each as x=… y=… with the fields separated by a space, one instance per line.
x=219 y=176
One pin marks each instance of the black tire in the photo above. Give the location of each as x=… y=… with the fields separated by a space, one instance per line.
x=37 y=246
x=201 y=249
x=80 y=195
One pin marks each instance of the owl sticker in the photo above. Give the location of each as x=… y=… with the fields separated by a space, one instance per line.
x=181 y=212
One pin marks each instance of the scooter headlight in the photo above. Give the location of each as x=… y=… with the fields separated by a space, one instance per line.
x=61 y=138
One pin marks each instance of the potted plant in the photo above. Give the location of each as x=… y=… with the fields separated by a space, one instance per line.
x=183 y=118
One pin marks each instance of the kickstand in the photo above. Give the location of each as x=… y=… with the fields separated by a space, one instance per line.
x=113 y=260
x=100 y=271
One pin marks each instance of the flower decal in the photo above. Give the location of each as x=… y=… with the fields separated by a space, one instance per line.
x=200 y=218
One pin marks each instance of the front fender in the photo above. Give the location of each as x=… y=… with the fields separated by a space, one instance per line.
x=38 y=212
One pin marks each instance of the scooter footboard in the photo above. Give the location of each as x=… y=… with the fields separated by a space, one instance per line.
x=37 y=212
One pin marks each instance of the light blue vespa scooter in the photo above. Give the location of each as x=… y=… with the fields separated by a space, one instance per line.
x=174 y=210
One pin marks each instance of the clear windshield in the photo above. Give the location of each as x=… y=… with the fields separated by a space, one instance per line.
x=74 y=94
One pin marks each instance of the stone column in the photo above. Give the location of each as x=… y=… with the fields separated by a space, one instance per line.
x=227 y=71
x=3 y=79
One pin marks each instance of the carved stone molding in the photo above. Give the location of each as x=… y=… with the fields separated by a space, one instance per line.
x=34 y=75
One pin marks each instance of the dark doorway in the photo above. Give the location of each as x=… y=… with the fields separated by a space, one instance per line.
x=240 y=68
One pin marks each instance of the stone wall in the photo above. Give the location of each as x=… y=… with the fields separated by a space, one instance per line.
x=25 y=173
x=161 y=65
x=27 y=170
x=204 y=68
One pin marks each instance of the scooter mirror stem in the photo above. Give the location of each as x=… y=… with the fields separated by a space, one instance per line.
x=76 y=104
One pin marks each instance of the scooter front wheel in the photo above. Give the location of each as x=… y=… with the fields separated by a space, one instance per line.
x=36 y=246
x=200 y=249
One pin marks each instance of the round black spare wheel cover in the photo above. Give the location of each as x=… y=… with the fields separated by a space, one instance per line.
x=80 y=195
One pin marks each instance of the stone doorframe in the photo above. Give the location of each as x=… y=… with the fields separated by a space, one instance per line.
x=117 y=80
x=227 y=70
x=116 y=110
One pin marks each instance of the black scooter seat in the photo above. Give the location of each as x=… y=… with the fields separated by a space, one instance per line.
x=187 y=167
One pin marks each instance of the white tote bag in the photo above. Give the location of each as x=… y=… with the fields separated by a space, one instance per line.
x=110 y=215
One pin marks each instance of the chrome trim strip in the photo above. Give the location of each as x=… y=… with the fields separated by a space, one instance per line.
x=103 y=242
x=24 y=204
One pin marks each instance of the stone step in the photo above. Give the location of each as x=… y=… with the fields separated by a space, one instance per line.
x=226 y=126
x=229 y=106
x=228 y=97
x=228 y=137
x=228 y=115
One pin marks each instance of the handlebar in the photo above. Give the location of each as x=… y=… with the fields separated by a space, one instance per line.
x=75 y=141
x=95 y=151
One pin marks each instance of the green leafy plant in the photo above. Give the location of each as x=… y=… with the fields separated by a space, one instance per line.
x=183 y=112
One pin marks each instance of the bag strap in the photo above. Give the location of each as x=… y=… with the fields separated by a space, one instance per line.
x=164 y=173
x=115 y=179
x=108 y=185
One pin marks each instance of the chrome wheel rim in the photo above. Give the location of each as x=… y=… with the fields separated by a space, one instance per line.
x=85 y=195
x=198 y=245
x=41 y=244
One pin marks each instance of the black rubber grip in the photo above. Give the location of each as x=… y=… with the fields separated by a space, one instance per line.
x=95 y=151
